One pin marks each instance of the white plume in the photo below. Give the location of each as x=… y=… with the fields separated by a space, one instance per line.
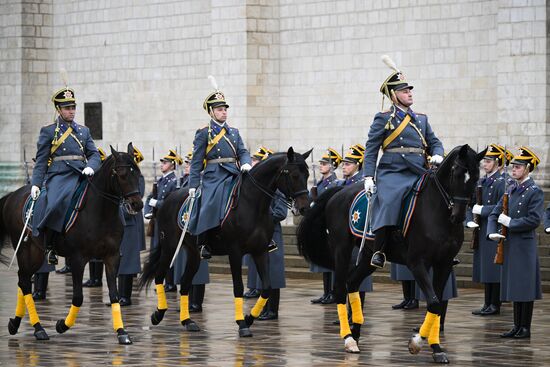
x=213 y=82
x=389 y=62
x=64 y=76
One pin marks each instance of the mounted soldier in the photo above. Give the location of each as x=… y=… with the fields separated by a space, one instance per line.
x=219 y=155
x=409 y=144
x=65 y=153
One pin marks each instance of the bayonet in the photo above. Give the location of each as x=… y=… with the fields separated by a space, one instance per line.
x=26 y=166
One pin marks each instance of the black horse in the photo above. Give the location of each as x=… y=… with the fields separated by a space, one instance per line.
x=247 y=230
x=435 y=236
x=96 y=233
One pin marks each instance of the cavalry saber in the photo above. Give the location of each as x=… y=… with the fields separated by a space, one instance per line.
x=367 y=225
x=184 y=230
x=29 y=214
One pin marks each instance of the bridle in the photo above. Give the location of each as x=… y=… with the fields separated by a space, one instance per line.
x=450 y=200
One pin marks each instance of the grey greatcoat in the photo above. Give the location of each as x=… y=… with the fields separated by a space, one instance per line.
x=400 y=272
x=216 y=180
x=165 y=185
x=520 y=280
x=396 y=173
x=60 y=179
x=133 y=238
x=484 y=268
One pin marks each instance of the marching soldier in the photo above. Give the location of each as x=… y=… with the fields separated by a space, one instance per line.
x=202 y=277
x=219 y=154
x=328 y=163
x=65 y=153
x=407 y=140
x=520 y=274
x=165 y=185
x=484 y=268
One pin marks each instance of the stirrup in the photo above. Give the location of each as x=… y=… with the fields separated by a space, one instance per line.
x=377 y=265
x=52 y=258
x=205 y=253
x=272 y=246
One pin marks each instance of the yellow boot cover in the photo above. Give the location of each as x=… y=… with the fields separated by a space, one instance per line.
x=184 y=308
x=433 y=338
x=161 y=297
x=427 y=324
x=356 y=311
x=20 y=308
x=258 y=307
x=239 y=309
x=33 y=316
x=343 y=317
x=117 y=317
x=71 y=317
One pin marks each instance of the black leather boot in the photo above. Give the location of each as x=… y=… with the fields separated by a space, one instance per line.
x=169 y=285
x=517 y=321
x=96 y=274
x=40 y=286
x=252 y=293
x=525 y=323
x=202 y=246
x=125 y=283
x=196 y=297
x=405 y=284
x=327 y=287
x=378 y=259
x=487 y=300
x=271 y=309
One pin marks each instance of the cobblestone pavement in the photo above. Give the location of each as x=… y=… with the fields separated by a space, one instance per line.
x=304 y=335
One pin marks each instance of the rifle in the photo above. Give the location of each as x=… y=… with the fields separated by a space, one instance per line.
x=499 y=256
x=314 y=187
x=26 y=166
x=154 y=194
x=477 y=218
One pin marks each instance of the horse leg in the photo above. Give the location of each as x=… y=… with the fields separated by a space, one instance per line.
x=77 y=267
x=25 y=285
x=235 y=262
x=261 y=262
x=440 y=277
x=363 y=270
x=13 y=324
x=111 y=272
x=191 y=268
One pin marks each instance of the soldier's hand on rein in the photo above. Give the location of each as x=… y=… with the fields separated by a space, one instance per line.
x=153 y=202
x=504 y=220
x=495 y=236
x=476 y=209
x=88 y=171
x=35 y=192
x=436 y=159
x=369 y=185
x=246 y=167
x=192 y=192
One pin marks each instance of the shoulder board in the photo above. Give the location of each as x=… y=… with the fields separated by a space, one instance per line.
x=535 y=187
x=420 y=113
x=501 y=178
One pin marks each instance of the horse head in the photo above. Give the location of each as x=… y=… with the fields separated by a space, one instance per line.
x=125 y=175
x=463 y=177
x=292 y=180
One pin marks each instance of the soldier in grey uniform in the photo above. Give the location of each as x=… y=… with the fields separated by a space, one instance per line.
x=328 y=163
x=484 y=268
x=165 y=185
x=202 y=277
x=219 y=155
x=520 y=277
x=65 y=153
x=406 y=139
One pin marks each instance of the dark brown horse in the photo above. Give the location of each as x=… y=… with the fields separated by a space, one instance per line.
x=96 y=233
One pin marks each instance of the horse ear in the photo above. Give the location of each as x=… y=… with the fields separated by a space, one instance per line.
x=481 y=154
x=463 y=152
x=306 y=154
x=114 y=152
x=290 y=154
x=130 y=148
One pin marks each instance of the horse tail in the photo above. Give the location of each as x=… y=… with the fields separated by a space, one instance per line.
x=150 y=268
x=3 y=229
x=312 y=232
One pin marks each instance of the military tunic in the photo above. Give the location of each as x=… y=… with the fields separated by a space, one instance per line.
x=60 y=179
x=209 y=207
x=396 y=173
x=165 y=185
x=520 y=278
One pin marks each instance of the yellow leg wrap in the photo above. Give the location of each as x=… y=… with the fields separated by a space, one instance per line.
x=71 y=317
x=239 y=309
x=258 y=307
x=161 y=297
x=356 y=311
x=33 y=316
x=184 y=308
x=20 y=307
x=117 y=317
x=427 y=324
x=433 y=338
x=343 y=317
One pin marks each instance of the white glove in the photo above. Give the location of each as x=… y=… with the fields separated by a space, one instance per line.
x=148 y=215
x=495 y=236
x=369 y=185
x=246 y=167
x=547 y=230
x=436 y=159
x=88 y=171
x=472 y=224
x=153 y=202
x=192 y=192
x=35 y=192
x=504 y=220
x=476 y=209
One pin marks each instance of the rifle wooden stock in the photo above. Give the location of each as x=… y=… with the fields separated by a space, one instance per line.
x=499 y=256
x=313 y=193
x=477 y=219
x=151 y=226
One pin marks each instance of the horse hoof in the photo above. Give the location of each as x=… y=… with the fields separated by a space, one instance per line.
x=13 y=325
x=249 y=319
x=60 y=326
x=157 y=316
x=415 y=344
x=123 y=337
x=245 y=333
x=440 y=357
x=190 y=325
x=350 y=345
x=41 y=335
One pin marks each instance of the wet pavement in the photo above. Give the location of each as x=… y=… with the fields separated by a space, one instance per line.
x=304 y=335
